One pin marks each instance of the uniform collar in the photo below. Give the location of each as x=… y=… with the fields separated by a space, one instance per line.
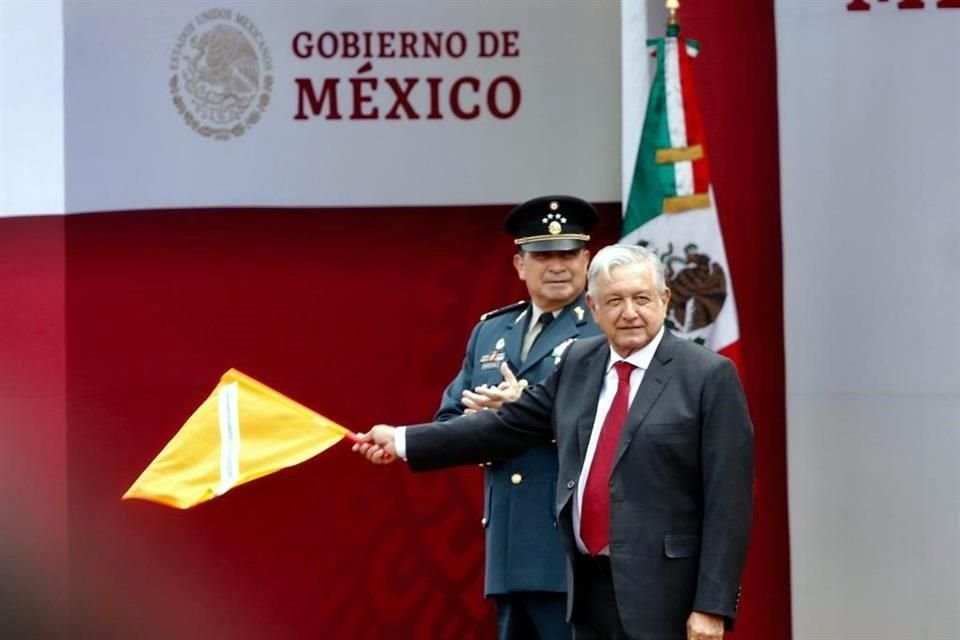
x=536 y=312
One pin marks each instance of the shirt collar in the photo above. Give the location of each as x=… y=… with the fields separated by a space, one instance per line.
x=640 y=358
x=536 y=312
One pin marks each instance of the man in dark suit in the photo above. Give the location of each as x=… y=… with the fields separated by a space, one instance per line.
x=654 y=489
x=525 y=569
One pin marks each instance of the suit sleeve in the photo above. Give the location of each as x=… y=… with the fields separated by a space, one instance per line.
x=485 y=435
x=727 y=463
x=451 y=405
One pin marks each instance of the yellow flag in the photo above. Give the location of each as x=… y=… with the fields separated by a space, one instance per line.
x=243 y=431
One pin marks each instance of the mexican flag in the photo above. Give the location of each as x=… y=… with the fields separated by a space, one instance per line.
x=671 y=208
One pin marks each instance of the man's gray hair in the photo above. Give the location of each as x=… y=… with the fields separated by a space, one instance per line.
x=620 y=255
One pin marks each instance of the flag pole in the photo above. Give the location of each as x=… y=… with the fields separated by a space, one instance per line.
x=673 y=25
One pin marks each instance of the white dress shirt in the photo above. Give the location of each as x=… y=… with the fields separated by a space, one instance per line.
x=534 y=328
x=641 y=360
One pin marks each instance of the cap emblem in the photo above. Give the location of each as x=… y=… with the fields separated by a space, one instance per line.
x=553 y=220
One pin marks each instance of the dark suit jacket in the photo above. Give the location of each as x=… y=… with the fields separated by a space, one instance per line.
x=681 y=484
x=524 y=552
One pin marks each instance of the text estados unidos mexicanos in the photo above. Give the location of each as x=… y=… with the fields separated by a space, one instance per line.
x=366 y=96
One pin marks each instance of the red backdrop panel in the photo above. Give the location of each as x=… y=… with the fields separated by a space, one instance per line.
x=33 y=471
x=736 y=82
x=362 y=315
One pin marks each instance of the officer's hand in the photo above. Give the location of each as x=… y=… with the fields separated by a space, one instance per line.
x=377 y=445
x=487 y=397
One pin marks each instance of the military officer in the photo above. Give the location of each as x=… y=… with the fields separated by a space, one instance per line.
x=510 y=347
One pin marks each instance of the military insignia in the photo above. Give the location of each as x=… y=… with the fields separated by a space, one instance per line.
x=560 y=348
x=502 y=310
x=553 y=222
x=578 y=311
x=492 y=360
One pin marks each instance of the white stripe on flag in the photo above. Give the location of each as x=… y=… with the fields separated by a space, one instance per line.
x=229 y=415
x=676 y=121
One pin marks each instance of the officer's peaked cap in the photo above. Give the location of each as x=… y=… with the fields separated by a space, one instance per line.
x=551 y=223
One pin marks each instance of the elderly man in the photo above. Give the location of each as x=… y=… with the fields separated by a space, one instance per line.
x=655 y=462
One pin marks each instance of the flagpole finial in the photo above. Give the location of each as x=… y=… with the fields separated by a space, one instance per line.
x=672 y=7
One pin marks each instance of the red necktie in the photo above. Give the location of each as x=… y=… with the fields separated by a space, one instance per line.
x=595 y=518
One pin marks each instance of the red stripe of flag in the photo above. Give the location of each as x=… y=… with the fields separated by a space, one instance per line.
x=691 y=112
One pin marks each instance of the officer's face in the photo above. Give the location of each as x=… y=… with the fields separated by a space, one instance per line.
x=554 y=278
x=628 y=308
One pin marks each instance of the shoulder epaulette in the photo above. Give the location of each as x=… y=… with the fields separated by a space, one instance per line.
x=502 y=310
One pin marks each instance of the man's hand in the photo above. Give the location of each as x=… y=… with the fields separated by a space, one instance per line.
x=487 y=397
x=377 y=445
x=704 y=626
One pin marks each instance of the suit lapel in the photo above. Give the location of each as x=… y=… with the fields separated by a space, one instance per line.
x=594 y=369
x=654 y=380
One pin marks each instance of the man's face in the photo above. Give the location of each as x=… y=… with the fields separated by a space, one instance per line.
x=554 y=278
x=628 y=308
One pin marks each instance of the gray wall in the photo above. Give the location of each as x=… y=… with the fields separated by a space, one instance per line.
x=870 y=157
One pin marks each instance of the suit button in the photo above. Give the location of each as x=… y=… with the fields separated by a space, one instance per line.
x=571 y=484
x=483 y=521
x=516 y=478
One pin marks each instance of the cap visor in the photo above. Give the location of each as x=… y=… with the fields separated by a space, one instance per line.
x=560 y=244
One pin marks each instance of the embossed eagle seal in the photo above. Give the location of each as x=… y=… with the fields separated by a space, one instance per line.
x=222 y=74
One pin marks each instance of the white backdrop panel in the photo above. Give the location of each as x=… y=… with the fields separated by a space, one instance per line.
x=870 y=152
x=128 y=147
x=31 y=108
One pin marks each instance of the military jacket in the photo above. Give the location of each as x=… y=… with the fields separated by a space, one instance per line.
x=523 y=547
